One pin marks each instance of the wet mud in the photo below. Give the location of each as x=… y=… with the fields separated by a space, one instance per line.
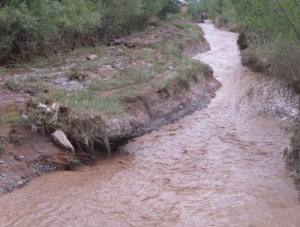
x=216 y=167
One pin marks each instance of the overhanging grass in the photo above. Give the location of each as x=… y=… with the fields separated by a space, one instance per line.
x=147 y=68
x=131 y=83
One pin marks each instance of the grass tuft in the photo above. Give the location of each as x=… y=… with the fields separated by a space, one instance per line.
x=183 y=82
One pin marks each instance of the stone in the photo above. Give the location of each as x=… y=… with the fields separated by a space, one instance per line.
x=68 y=84
x=19 y=157
x=19 y=100
x=130 y=44
x=60 y=80
x=294 y=172
x=91 y=57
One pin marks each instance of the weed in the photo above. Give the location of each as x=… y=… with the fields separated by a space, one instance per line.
x=147 y=106
x=75 y=69
x=173 y=49
x=93 y=69
x=183 y=82
x=180 y=16
x=166 y=90
x=194 y=76
x=3 y=71
x=10 y=84
x=41 y=98
x=86 y=101
x=11 y=118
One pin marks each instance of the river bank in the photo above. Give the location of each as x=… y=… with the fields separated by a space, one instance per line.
x=114 y=93
x=215 y=167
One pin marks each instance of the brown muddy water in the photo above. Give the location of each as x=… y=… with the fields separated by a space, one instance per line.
x=216 y=167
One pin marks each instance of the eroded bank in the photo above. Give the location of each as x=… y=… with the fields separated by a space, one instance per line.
x=216 y=167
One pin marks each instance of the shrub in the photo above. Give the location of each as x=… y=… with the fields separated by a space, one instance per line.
x=169 y=7
x=42 y=27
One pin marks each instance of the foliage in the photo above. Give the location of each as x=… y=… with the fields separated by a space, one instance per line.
x=267 y=18
x=194 y=7
x=121 y=17
x=33 y=28
x=283 y=60
x=168 y=7
x=272 y=32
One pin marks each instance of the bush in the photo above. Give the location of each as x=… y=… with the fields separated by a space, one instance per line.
x=169 y=7
x=284 y=60
x=43 y=27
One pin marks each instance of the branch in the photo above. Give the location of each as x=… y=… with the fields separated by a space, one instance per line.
x=297 y=4
x=288 y=18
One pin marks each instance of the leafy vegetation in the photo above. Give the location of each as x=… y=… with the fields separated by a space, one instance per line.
x=271 y=37
x=269 y=42
x=41 y=27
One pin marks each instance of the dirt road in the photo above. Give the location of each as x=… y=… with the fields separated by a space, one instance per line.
x=212 y=168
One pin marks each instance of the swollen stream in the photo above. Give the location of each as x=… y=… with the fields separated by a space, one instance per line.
x=216 y=167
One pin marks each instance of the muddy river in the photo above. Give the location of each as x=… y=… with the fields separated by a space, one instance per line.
x=216 y=167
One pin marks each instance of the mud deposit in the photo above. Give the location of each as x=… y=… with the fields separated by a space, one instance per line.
x=216 y=167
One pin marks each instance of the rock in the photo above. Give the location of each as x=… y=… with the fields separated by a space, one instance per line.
x=30 y=91
x=130 y=44
x=68 y=84
x=91 y=57
x=19 y=157
x=19 y=100
x=107 y=67
x=79 y=76
x=60 y=80
x=114 y=43
x=294 y=172
x=1 y=162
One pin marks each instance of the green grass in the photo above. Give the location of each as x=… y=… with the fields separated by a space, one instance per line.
x=3 y=71
x=11 y=118
x=183 y=82
x=131 y=82
x=181 y=16
x=5 y=122
x=151 y=73
x=10 y=84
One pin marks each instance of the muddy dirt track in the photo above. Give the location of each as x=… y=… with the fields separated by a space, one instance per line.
x=212 y=168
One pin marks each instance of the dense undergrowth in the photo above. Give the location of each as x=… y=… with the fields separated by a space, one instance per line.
x=34 y=28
